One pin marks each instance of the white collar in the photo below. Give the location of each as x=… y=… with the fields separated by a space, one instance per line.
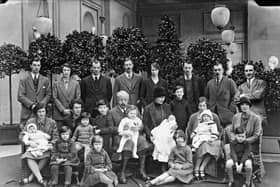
x=95 y=76
x=188 y=78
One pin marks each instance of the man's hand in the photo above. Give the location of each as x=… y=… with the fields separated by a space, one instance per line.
x=33 y=106
x=66 y=111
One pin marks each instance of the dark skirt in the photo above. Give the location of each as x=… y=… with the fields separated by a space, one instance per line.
x=28 y=155
x=212 y=148
x=142 y=144
x=185 y=176
x=92 y=179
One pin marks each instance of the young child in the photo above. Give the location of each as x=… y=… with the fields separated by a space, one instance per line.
x=129 y=128
x=180 y=163
x=181 y=108
x=101 y=125
x=36 y=140
x=63 y=155
x=98 y=166
x=83 y=134
x=240 y=152
x=205 y=131
x=162 y=138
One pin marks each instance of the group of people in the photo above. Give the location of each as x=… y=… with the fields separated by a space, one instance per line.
x=140 y=123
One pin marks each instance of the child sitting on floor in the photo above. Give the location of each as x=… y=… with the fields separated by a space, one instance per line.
x=36 y=140
x=240 y=152
x=162 y=138
x=129 y=128
x=205 y=131
x=180 y=163
x=98 y=166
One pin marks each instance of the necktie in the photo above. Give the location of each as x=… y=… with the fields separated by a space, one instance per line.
x=35 y=81
x=217 y=81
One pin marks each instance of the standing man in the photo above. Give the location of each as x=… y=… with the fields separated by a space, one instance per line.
x=95 y=87
x=129 y=82
x=193 y=86
x=220 y=92
x=33 y=89
x=65 y=90
x=254 y=90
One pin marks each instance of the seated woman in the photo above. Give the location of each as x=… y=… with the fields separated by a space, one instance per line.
x=155 y=113
x=206 y=150
x=36 y=163
x=252 y=124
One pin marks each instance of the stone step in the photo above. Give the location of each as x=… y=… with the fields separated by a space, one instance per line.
x=271 y=145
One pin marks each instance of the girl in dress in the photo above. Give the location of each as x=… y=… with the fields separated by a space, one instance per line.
x=162 y=138
x=36 y=139
x=63 y=155
x=98 y=166
x=180 y=163
x=129 y=128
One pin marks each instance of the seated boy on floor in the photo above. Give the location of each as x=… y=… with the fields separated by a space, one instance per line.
x=240 y=151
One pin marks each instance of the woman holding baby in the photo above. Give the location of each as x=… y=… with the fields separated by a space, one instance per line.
x=38 y=160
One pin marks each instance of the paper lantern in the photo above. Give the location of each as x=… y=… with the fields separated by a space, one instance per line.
x=228 y=36
x=220 y=16
x=43 y=25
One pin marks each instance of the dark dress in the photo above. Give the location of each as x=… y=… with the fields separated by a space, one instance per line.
x=101 y=123
x=66 y=150
x=96 y=160
x=153 y=115
x=147 y=89
x=182 y=111
x=181 y=155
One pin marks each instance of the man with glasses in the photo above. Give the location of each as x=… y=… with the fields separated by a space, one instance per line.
x=254 y=90
x=220 y=92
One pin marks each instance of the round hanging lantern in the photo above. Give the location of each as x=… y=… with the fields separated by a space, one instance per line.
x=233 y=47
x=220 y=16
x=228 y=36
x=43 y=25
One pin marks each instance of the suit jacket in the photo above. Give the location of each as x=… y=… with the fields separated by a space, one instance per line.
x=198 y=89
x=147 y=90
x=92 y=91
x=253 y=129
x=221 y=98
x=63 y=97
x=27 y=95
x=151 y=119
x=131 y=86
x=255 y=93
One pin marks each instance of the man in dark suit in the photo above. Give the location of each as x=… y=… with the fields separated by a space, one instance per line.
x=94 y=88
x=129 y=82
x=193 y=86
x=113 y=119
x=33 y=89
x=65 y=90
x=220 y=92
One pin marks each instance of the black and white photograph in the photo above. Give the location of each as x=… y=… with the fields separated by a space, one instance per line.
x=139 y=93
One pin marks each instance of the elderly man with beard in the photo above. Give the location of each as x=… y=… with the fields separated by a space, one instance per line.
x=220 y=92
x=254 y=90
x=129 y=82
x=114 y=117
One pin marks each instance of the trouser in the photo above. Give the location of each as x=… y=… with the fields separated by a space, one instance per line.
x=55 y=174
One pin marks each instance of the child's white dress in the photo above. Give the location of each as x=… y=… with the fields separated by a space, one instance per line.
x=205 y=131
x=163 y=140
x=129 y=130
x=40 y=138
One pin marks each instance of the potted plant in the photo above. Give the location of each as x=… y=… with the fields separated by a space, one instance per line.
x=167 y=52
x=12 y=60
x=79 y=48
x=127 y=42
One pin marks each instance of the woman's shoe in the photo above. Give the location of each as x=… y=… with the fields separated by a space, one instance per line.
x=230 y=184
x=202 y=175
x=196 y=175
